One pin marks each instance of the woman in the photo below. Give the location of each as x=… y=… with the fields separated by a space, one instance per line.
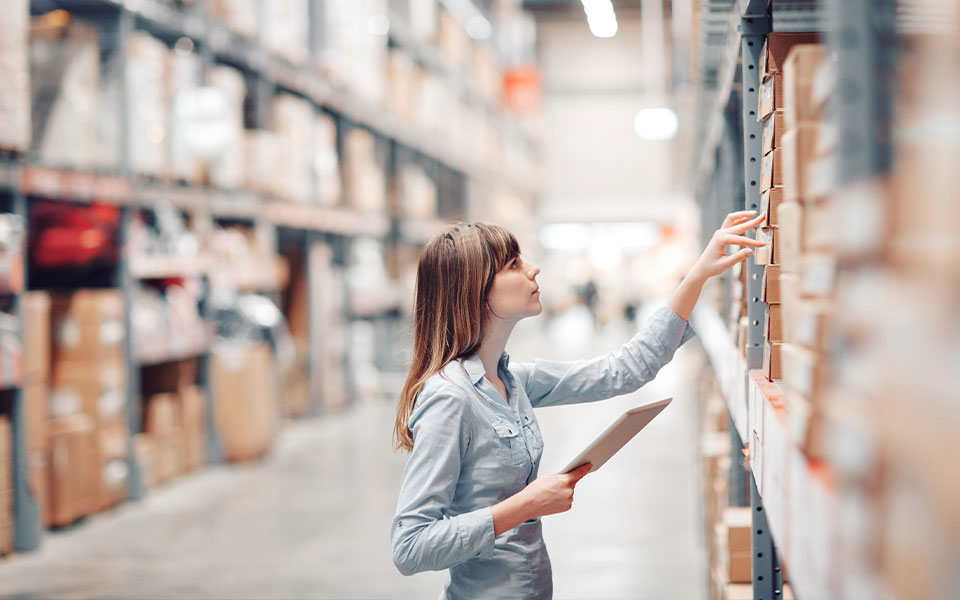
x=471 y=500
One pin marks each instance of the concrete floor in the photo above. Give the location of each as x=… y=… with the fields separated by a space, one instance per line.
x=312 y=519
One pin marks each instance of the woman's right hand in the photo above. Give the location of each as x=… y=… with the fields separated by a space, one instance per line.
x=553 y=493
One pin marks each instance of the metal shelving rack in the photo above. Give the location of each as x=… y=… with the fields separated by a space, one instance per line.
x=451 y=166
x=860 y=34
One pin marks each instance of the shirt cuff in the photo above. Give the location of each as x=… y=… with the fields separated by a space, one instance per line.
x=476 y=532
x=674 y=325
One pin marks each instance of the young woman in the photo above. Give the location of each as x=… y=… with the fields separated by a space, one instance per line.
x=471 y=500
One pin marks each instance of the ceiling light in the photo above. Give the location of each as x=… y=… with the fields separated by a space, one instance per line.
x=655 y=124
x=600 y=18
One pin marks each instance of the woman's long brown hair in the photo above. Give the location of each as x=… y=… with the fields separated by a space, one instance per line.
x=454 y=277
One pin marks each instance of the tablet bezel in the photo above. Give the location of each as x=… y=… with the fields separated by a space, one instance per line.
x=616 y=436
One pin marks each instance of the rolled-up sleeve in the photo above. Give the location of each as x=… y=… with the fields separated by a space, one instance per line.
x=425 y=536
x=551 y=383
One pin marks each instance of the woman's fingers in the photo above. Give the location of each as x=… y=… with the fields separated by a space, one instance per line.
x=737 y=217
x=741 y=240
x=739 y=256
x=579 y=473
x=747 y=225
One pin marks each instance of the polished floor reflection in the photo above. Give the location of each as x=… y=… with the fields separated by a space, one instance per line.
x=312 y=520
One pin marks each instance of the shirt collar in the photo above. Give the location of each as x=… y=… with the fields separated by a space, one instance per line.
x=474 y=366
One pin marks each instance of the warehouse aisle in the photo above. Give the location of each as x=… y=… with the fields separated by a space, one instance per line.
x=312 y=520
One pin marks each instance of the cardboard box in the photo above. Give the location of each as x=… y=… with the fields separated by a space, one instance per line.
x=35 y=400
x=804 y=371
x=821 y=227
x=770 y=97
x=770 y=201
x=797 y=152
x=739 y=523
x=97 y=389
x=74 y=471
x=740 y=567
x=773 y=361
x=811 y=324
x=245 y=386
x=776 y=49
x=87 y=326
x=799 y=71
x=738 y=591
x=772 y=174
x=773 y=324
x=770 y=290
x=818 y=275
x=15 y=73
x=764 y=254
x=113 y=471
x=35 y=311
x=773 y=130
x=790 y=215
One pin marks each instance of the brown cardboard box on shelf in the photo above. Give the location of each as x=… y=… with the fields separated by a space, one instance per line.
x=799 y=70
x=773 y=324
x=770 y=97
x=87 y=325
x=770 y=290
x=15 y=73
x=804 y=371
x=811 y=324
x=797 y=151
x=764 y=254
x=789 y=297
x=821 y=229
x=741 y=565
x=163 y=424
x=772 y=170
x=738 y=521
x=772 y=361
x=245 y=385
x=38 y=477
x=769 y=203
x=790 y=215
x=35 y=400
x=97 y=389
x=777 y=46
x=738 y=591
x=296 y=392
x=818 y=275
x=773 y=130
x=112 y=469
x=35 y=311
x=73 y=481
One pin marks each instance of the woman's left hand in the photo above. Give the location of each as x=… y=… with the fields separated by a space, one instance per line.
x=715 y=259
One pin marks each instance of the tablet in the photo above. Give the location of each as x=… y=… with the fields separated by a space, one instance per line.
x=616 y=436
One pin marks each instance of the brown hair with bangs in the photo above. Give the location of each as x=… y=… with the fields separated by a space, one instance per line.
x=454 y=277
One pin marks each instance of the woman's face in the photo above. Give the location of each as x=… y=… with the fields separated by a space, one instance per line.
x=515 y=293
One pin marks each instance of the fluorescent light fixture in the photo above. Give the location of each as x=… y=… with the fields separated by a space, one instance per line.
x=600 y=18
x=655 y=124
x=577 y=237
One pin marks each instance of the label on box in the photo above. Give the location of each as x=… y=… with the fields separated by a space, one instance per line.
x=110 y=404
x=111 y=333
x=115 y=472
x=819 y=276
x=64 y=402
x=68 y=333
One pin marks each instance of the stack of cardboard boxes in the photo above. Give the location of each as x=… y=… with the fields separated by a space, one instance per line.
x=174 y=438
x=87 y=404
x=773 y=186
x=245 y=384
x=15 y=72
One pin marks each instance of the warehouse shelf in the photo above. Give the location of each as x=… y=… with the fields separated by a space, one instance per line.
x=374 y=305
x=327 y=219
x=782 y=473
x=74 y=185
x=165 y=267
x=420 y=231
x=176 y=350
x=308 y=82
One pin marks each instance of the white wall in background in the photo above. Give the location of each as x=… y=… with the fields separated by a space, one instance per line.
x=595 y=166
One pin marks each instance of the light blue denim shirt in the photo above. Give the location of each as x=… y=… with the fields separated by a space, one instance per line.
x=472 y=449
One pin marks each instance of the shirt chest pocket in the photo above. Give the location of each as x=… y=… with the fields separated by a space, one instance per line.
x=510 y=448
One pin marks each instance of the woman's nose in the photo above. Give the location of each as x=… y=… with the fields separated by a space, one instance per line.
x=533 y=271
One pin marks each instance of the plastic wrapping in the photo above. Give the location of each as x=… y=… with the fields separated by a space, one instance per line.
x=292 y=118
x=15 y=74
x=364 y=175
x=227 y=170
x=65 y=80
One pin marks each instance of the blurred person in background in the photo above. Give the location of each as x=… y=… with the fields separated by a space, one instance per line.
x=470 y=500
